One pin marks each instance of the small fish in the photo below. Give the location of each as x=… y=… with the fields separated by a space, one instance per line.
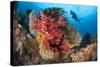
x=74 y=16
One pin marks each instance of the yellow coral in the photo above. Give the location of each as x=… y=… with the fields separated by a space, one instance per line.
x=40 y=37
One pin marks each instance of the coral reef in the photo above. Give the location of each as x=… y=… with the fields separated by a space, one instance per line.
x=47 y=37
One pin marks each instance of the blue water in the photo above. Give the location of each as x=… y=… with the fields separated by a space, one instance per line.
x=87 y=14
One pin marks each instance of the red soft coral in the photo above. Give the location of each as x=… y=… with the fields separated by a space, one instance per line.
x=50 y=28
